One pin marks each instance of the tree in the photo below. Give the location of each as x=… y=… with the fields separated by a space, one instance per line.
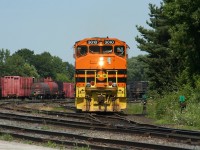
x=26 y=54
x=54 y=67
x=4 y=54
x=25 y=63
x=70 y=71
x=160 y=59
x=44 y=65
x=62 y=77
x=64 y=70
x=16 y=66
x=30 y=70
x=137 y=69
x=184 y=16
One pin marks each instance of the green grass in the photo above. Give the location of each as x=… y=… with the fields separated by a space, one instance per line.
x=45 y=127
x=166 y=111
x=76 y=147
x=6 y=137
x=137 y=108
x=134 y=108
x=50 y=144
x=35 y=112
x=59 y=109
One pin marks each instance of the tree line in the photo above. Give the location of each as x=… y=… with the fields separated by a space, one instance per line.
x=171 y=65
x=172 y=43
x=25 y=63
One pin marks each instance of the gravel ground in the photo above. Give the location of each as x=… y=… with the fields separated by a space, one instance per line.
x=5 y=145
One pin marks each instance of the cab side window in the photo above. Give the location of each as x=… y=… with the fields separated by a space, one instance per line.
x=119 y=50
x=81 y=51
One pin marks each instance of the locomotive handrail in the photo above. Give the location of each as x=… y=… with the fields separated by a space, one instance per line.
x=107 y=77
x=86 y=76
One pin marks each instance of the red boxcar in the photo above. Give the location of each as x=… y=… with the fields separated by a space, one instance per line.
x=0 y=87
x=68 y=89
x=16 y=86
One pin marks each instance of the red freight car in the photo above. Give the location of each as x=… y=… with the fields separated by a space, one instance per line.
x=40 y=90
x=0 y=88
x=16 y=86
x=53 y=88
x=68 y=89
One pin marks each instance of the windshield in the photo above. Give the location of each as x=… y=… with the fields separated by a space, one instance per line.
x=106 y=49
x=95 y=49
x=83 y=50
x=100 y=49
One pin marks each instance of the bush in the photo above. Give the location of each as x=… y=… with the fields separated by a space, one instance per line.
x=167 y=108
x=189 y=116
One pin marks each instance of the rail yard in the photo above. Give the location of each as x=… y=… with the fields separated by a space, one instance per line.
x=57 y=121
x=106 y=75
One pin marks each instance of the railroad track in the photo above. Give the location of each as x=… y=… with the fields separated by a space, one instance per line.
x=115 y=123
x=19 y=101
x=16 y=104
x=183 y=136
x=73 y=139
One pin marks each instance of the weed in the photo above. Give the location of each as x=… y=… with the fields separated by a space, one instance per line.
x=59 y=109
x=76 y=147
x=45 y=127
x=6 y=137
x=134 y=108
x=51 y=144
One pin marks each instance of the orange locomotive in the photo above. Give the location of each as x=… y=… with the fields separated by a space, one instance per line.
x=100 y=74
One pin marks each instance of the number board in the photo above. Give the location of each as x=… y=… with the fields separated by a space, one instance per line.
x=109 y=42
x=92 y=42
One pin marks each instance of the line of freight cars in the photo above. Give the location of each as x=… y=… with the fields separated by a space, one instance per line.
x=29 y=87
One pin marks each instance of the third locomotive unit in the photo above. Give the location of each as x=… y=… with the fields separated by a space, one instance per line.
x=100 y=74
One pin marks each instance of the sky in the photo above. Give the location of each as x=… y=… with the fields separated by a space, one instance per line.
x=55 y=25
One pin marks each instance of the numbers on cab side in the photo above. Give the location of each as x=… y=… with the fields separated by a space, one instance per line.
x=109 y=42
x=92 y=42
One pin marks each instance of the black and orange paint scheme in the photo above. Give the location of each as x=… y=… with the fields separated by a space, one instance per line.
x=100 y=74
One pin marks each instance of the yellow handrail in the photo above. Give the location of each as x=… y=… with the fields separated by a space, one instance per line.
x=95 y=76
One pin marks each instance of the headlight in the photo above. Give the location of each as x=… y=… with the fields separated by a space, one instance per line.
x=101 y=62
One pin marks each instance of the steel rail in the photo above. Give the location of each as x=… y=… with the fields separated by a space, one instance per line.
x=102 y=127
x=94 y=117
x=98 y=141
